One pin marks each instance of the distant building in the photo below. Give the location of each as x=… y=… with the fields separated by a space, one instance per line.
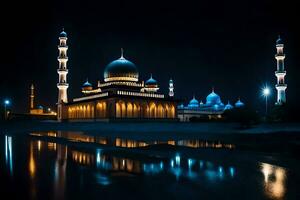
x=213 y=108
x=37 y=110
x=121 y=95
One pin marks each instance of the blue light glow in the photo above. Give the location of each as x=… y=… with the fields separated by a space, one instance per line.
x=232 y=171
x=172 y=163
x=190 y=163
x=220 y=169
x=8 y=153
x=6 y=102
x=177 y=159
x=201 y=164
x=153 y=168
x=98 y=157
x=161 y=165
x=177 y=172
x=221 y=172
x=102 y=179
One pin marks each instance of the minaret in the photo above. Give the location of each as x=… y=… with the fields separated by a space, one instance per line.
x=31 y=97
x=62 y=70
x=171 y=88
x=280 y=73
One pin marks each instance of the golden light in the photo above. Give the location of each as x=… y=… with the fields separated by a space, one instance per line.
x=31 y=166
x=266 y=170
x=274 y=188
x=39 y=145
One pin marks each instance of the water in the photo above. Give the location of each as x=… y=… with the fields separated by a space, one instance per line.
x=68 y=165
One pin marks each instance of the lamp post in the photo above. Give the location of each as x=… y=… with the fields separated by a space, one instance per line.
x=266 y=92
x=6 y=103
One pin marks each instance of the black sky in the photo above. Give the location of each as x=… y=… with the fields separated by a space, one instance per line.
x=226 y=44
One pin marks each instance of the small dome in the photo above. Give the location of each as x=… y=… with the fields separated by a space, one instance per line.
x=63 y=34
x=122 y=70
x=194 y=103
x=228 y=106
x=87 y=84
x=279 y=40
x=151 y=81
x=201 y=103
x=40 y=107
x=239 y=104
x=213 y=99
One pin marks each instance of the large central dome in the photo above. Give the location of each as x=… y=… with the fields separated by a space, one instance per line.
x=213 y=99
x=121 y=70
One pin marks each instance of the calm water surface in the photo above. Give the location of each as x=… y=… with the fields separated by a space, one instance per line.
x=68 y=165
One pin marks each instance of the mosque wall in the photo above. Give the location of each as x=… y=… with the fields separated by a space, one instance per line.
x=121 y=108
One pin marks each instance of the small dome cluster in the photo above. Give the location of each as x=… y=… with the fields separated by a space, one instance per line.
x=213 y=103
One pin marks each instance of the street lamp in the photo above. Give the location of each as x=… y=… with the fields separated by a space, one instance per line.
x=266 y=92
x=6 y=103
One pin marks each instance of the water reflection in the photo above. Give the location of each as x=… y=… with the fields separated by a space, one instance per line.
x=113 y=163
x=31 y=164
x=58 y=166
x=100 y=159
x=130 y=143
x=60 y=171
x=9 y=154
x=274 y=180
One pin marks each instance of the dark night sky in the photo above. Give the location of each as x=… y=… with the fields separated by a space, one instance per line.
x=226 y=44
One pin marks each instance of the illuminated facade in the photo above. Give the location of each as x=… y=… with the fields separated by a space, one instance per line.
x=280 y=73
x=213 y=108
x=120 y=96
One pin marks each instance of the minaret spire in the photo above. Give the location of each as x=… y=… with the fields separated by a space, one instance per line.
x=31 y=97
x=62 y=70
x=171 y=88
x=280 y=73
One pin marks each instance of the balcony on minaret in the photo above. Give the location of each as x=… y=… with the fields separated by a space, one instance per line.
x=281 y=86
x=62 y=71
x=62 y=46
x=280 y=56
x=62 y=59
x=62 y=85
x=280 y=73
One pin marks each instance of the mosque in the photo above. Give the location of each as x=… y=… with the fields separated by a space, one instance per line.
x=120 y=96
x=213 y=108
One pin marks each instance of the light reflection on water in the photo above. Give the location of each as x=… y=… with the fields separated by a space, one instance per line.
x=130 y=143
x=274 y=180
x=106 y=166
x=9 y=153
